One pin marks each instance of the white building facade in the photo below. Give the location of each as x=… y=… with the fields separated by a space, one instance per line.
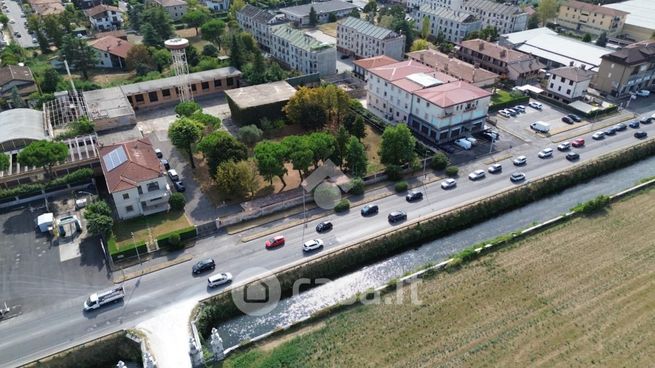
x=362 y=39
x=302 y=52
x=258 y=23
x=105 y=18
x=454 y=25
x=217 y=5
x=569 y=83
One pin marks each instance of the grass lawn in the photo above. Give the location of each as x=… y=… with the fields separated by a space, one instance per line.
x=372 y=143
x=501 y=96
x=159 y=223
x=577 y=295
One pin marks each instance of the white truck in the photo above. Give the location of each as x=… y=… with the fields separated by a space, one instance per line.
x=540 y=126
x=97 y=300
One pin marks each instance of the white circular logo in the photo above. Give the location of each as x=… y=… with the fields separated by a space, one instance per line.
x=259 y=297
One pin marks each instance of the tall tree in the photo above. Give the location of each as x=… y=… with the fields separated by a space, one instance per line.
x=371 y=7
x=43 y=154
x=4 y=19
x=162 y=58
x=50 y=79
x=134 y=17
x=184 y=133
x=354 y=13
x=425 y=27
x=237 y=179
x=547 y=10
x=161 y=23
x=250 y=134
x=270 y=157
x=397 y=147
x=212 y=31
x=4 y=162
x=16 y=99
x=219 y=147
x=299 y=153
x=341 y=146
x=140 y=59
x=79 y=54
x=358 y=128
x=533 y=21
x=44 y=44
x=187 y=108
x=53 y=29
x=419 y=44
x=602 y=40
x=313 y=17
x=236 y=56
x=235 y=6
x=356 y=160
x=195 y=17
x=322 y=146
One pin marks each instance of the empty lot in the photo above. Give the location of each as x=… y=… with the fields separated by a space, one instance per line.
x=578 y=295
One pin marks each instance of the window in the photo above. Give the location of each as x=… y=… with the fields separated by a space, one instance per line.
x=230 y=81
x=559 y=88
x=166 y=92
x=562 y=79
x=551 y=85
x=126 y=195
x=204 y=85
x=217 y=83
x=152 y=96
x=570 y=83
x=568 y=91
x=138 y=98
x=140 y=190
x=153 y=186
x=129 y=208
x=193 y=87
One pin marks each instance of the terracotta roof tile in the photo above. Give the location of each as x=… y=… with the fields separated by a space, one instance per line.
x=112 y=45
x=141 y=165
x=454 y=93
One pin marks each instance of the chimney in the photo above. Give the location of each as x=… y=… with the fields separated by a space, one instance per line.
x=503 y=53
x=481 y=45
x=583 y=67
x=571 y=63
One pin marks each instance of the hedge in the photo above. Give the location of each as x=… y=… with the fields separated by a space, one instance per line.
x=130 y=252
x=514 y=102
x=185 y=234
x=76 y=176
x=216 y=309
x=401 y=186
x=342 y=206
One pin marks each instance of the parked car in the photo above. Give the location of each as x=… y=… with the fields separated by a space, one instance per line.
x=567 y=119
x=520 y=161
x=219 y=279
x=572 y=156
x=520 y=108
x=504 y=113
x=546 y=152
x=643 y=93
x=476 y=175
x=517 y=177
x=463 y=144
x=275 y=241
x=158 y=153
x=203 y=265
x=512 y=112
x=179 y=186
x=610 y=131
x=598 y=136
x=577 y=143
x=490 y=136
x=413 y=196
x=323 y=226
x=540 y=126
x=311 y=245
x=634 y=124
x=564 y=146
x=574 y=117
x=369 y=209
x=173 y=175
x=536 y=105
x=397 y=216
x=495 y=168
x=448 y=183
x=472 y=140
x=620 y=127
x=646 y=120
x=165 y=163
x=640 y=134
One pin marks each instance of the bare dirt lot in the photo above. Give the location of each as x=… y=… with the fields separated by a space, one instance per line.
x=578 y=295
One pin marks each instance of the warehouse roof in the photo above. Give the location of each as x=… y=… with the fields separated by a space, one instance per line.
x=171 y=82
x=22 y=124
x=641 y=12
x=261 y=94
x=320 y=8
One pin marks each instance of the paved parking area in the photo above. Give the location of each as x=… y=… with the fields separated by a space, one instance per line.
x=520 y=125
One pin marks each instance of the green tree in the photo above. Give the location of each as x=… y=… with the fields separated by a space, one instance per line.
x=322 y=146
x=195 y=18
x=358 y=128
x=602 y=40
x=4 y=20
x=586 y=38
x=237 y=179
x=439 y=161
x=425 y=27
x=533 y=21
x=341 y=146
x=354 y=13
x=98 y=224
x=210 y=50
x=162 y=58
x=79 y=54
x=187 y=108
x=177 y=201
x=397 y=147
x=206 y=119
x=150 y=36
x=212 y=31
x=270 y=157
x=53 y=29
x=313 y=17
x=489 y=33
x=43 y=154
x=140 y=59
x=235 y=6
x=4 y=162
x=547 y=10
x=219 y=147
x=403 y=26
x=158 y=26
x=419 y=44
x=16 y=99
x=99 y=207
x=299 y=152
x=332 y=18
x=134 y=15
x=44 y=44
x=250 y=134
x=371 y=7
x=184 y=133
x=236 y=56
x=356 y=160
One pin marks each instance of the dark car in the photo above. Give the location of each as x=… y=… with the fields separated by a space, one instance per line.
x=574 y=117
x=567 y=119
x=572 y=156
x=640 y=134
x=344 y=57
x=610 y=131
x=414 y=196
x=397 y=216
x=323 y=227
x=165 y=163
x=179 y=186
x=645 y=121
x=634 y=124
x=158 y=153
x=204 y=265
x=369 y=209
x=620 y=127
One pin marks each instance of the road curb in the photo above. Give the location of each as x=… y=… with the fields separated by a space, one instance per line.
x=122 y=277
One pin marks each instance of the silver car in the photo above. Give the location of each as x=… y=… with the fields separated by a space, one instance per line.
x=312 y=245
x=448 y=183
x=477 y=174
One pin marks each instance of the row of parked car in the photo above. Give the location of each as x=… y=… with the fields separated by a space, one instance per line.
x=515 y=110
x=172 y=173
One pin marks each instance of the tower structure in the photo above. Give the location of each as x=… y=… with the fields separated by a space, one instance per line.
x=180 y=66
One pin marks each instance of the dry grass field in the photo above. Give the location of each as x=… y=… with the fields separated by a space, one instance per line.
x=579 y=295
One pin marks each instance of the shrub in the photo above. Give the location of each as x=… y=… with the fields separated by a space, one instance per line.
x=393 y=172
x=174 y=241
x=593 y=205
x=439 y=161
x=452 y=171
x=177 y=201
x=187 y=108
x=357 y=186
x=342 y=206
x=401 y=186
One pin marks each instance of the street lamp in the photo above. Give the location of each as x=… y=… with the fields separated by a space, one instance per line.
x=137 y=249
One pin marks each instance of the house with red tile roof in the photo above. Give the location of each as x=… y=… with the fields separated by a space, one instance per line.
x=362 y=65
x=112 y=51
x=135 y=178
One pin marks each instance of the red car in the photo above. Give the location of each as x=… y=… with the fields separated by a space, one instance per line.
x=275 y=241
x=578 y=142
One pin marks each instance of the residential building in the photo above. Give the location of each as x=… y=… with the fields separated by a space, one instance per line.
x=300 y=51
x=258 y=23
x=47 y=7
x=19 y=77
x=453 y=25
x=135 y=178
x=361 y=66
x=299 y=14
x=568 y=83
x=639 y=23
x=554 y=50
x=590 y=18
x=627 y=70
x=105 y=17
x=111 y=51
x=175 y=8
x=86 y=4
x=514 y=65
x=454 y=67
x=217 y=5
x=362 y=39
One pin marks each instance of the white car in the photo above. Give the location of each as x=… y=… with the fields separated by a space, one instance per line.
x=536 y=105
x=521 y=108
x=521 y=160
x=472 y=140
x=219 y=279
x=504 y=113
x=312 y=245
x=12 y=21
x=564 y=146
x=643 y=93
x=546 y=152
x=477 y=174
x=448 y=183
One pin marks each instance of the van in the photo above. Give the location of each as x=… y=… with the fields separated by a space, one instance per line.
x=463 y=144
x=540 y=126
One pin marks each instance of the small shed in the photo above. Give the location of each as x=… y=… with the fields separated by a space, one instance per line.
x=45 y=222
x=249 y=105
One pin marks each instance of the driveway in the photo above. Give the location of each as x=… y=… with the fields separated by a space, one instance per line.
x=15 y=13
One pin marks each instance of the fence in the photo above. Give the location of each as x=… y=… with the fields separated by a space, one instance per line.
x=19 y=200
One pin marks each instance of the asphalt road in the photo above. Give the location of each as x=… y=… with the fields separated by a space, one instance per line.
x=14 y=12
x=63 y=324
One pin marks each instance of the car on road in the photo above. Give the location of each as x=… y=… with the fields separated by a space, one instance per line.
x=520 y=108
x=369 y=209
x=397 y=216
x=179 y=186
x=275 y=241
x=173 y=175
x=165 y=163
x=477 y=174
x=504 y=113
x=203 y=265
x=610 y=131
x=520 y=161
x=598 y=136
x=574 y=117
x=620 y=127
x=572 y=156
x=158 y=153
x=536 y=105
x=640 y=134
x=646 y=120
x=448 y=184
x=495 y=168
x=413 y=196
x=323 y=226
x=643 y=93
x=564 y=146
x=577 y=143
x=311 y=245
x=567 y=119
x=634 y=124
x=517 y=177
x=219 y=279
x=11 y=21
x=546 y=152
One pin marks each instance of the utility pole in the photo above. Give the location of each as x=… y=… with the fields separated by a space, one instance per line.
x=137 y=250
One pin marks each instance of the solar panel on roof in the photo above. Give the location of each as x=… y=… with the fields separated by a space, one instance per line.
x=115 y=158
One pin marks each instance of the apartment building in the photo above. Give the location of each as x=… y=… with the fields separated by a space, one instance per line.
x=258 y=23
x=111 y=51
x=300 y=51
x=590 y=18
x=627 y=70
x=175 y=8
x=569 y=83
x=361 y=66
x=514 y=65
x=362 y=39
x=454 y=25
x=454 y=67
x=299 y=14
x=105 y=17
x=135 y=178
x=217 y=5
